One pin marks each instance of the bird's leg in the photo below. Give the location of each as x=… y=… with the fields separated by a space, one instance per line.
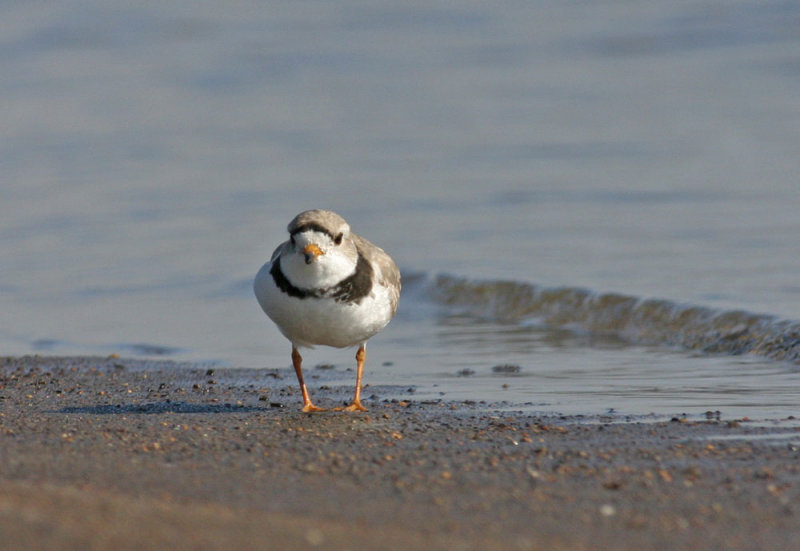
x=297 y=361
x=361 y=355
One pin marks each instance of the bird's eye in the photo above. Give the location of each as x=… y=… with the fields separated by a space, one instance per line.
x=338 y=238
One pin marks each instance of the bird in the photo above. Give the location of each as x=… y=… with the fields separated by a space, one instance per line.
x=328 y=286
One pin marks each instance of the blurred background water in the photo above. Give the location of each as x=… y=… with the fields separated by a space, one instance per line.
x=151 y=155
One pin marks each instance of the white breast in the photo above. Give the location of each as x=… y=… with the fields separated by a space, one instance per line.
x=323 y=321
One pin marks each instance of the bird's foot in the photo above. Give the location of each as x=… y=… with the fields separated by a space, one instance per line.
x=308 y=407
x=355 y=406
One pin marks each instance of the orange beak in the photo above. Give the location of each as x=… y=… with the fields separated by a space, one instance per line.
x=311 y=252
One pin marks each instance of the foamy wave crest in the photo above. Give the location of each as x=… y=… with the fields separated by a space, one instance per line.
x=637 y=320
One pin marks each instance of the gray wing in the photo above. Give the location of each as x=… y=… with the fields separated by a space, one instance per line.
x=386 y=271
x=278 y=250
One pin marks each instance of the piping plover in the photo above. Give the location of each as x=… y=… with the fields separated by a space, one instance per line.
x=328 y=286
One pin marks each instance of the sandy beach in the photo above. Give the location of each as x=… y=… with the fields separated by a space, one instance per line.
x=112 y=453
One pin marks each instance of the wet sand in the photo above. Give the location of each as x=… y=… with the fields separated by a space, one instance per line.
x=110 y=453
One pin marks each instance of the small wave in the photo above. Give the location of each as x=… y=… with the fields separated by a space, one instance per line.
x=634 y=319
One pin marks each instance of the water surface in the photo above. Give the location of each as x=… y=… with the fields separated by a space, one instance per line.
x=152 y=155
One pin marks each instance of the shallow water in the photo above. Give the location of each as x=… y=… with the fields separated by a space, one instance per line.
x=153 y=154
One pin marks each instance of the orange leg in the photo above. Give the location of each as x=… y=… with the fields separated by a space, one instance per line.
x=297 y=361
x=361 y=355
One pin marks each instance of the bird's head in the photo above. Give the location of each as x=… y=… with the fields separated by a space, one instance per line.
x=320 y=240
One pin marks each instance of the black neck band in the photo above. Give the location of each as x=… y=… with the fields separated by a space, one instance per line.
x=351 y=289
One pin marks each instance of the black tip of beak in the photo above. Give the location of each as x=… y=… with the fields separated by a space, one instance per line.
x=309 y=258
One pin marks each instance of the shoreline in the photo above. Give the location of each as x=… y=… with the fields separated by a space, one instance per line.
x=113 y=453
